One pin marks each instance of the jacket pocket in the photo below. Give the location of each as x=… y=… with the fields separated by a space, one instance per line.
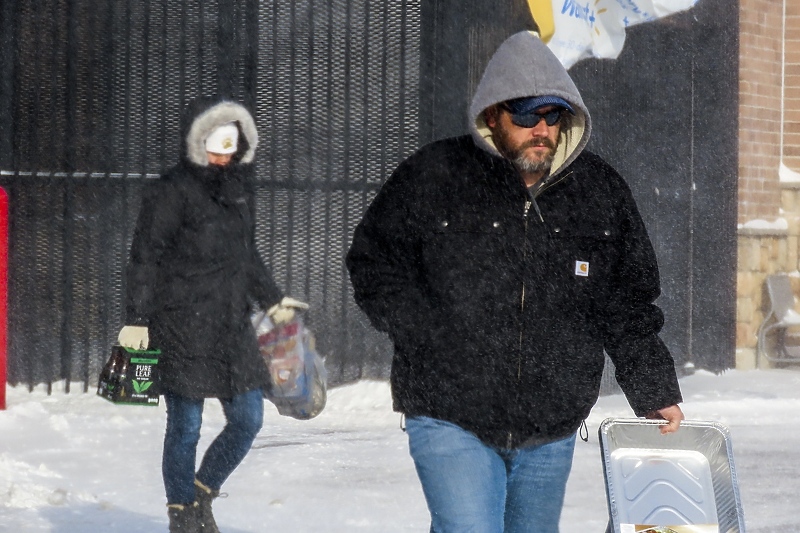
x=469 y=268
x=584 y=259
x=471 y=242
x=463 y=250
x=463 y=223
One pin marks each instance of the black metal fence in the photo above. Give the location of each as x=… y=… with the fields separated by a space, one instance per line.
x=94 y=107
x=90 y=94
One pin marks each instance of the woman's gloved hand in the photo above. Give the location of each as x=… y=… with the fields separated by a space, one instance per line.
x=134 y=337
x=284 y=311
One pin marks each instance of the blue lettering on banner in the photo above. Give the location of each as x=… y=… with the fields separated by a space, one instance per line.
x=578 y=11
x=568 y=44
x=630 y=5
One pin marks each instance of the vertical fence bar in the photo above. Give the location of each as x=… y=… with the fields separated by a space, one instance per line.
x=251 y=41
x=68 y=274
x=8 y=10
x=3 y=295
x=345 y=339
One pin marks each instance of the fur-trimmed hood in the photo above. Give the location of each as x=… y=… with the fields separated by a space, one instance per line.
x=203 y=115
x=523 y=66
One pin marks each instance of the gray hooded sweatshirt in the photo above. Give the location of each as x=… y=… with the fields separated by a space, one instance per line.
x=523 y=66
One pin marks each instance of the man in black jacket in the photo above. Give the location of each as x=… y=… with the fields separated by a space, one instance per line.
x=193 y=278
x=502 y=264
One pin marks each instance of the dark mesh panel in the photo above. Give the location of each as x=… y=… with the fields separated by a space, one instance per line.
x=67 y=235
x=36 y=289
x=337 y=109
x=95 y=275
x=40 y=86
x=167 y=55
x=97 y=99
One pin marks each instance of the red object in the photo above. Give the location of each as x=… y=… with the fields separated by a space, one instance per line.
x=3 y=294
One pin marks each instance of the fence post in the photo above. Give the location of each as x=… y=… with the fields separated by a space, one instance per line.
x=3 y=294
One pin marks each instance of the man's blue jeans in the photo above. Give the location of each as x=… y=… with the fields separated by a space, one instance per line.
x=244 y=415
x=472 y=487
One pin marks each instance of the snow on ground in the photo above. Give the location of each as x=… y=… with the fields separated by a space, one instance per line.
x=75 y=463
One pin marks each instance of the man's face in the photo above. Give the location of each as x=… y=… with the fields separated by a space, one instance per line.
x=219 y=160
x=530 y=149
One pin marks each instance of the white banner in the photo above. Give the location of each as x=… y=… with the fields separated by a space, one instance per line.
x=596 y=28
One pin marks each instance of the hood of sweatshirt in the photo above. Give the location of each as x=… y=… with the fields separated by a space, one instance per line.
x=523 y=66
x=203 y=115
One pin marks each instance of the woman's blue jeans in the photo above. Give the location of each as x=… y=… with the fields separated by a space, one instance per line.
x=472 y=487
x=244 y=415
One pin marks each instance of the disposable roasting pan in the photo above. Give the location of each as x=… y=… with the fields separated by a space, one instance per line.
x=682 y=482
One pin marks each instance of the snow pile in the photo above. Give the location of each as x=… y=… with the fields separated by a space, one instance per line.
x=76 y=463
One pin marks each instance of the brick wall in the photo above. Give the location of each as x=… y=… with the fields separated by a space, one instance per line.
x=766 y=249
x=791 y=130
x=760 y=45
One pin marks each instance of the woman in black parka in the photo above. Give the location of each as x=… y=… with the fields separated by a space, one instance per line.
x=193 y=278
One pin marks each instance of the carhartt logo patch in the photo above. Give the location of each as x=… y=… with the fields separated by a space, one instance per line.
x=582 y=268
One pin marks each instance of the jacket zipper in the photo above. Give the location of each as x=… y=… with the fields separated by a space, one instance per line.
x=546 y=186
x=528 y=203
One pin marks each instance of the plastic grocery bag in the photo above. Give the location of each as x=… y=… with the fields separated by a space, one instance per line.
x=298 y=377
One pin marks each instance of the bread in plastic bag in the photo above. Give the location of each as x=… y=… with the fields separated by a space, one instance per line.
x=298 y=379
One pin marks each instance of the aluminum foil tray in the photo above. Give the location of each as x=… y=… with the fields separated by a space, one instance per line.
x=683 y=482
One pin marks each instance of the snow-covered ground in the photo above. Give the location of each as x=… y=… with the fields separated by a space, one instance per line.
x=74 y=463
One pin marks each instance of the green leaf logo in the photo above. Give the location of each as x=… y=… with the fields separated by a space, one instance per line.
x=141 y=386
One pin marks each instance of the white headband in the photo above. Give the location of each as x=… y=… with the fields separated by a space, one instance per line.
x=223 y=140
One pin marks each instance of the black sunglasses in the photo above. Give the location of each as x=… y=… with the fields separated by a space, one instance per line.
x=530 y=120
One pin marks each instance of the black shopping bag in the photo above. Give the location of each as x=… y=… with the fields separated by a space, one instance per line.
x=130 y=377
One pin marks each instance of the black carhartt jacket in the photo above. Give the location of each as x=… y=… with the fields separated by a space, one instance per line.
x=194 y=272
x=499 y=304
x=500 y=300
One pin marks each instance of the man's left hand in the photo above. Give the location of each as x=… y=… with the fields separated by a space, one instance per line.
x=672 y=414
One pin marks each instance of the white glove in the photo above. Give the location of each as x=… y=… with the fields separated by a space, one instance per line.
x=134 y=337
x=283 y=312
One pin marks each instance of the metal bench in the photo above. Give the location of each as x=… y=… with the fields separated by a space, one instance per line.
x=774 y=330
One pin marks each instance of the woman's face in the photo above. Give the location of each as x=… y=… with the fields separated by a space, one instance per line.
x=219 y=160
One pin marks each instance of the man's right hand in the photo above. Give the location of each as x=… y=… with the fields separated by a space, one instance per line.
x=134 y=337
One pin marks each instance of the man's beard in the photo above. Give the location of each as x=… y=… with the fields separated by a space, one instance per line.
x=532 y=166
x=518 y=156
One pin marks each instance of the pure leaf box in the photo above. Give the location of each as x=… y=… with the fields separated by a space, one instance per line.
x=130 y=377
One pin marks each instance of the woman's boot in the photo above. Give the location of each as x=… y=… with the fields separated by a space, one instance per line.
x=183 y=518
x=204 y=495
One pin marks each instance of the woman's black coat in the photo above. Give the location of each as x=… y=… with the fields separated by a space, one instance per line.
x=194 y=275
